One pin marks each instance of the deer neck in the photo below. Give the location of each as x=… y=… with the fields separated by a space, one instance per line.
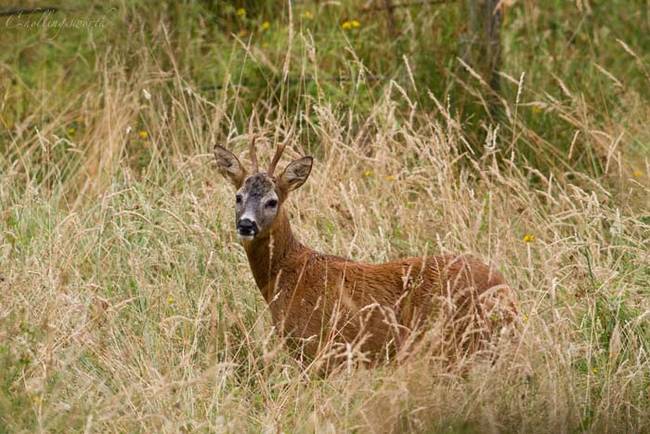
x=267 y=254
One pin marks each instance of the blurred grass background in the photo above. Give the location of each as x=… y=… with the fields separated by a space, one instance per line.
x=126 y=305
x=575 y=61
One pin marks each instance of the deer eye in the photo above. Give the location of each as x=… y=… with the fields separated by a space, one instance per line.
x=271 y=203
x=238 y=198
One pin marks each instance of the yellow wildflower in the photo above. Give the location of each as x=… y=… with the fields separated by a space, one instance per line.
x=350 y=24
x=391 y=178
x=241 y=12
x=71 y=131
x=170 y=300
x=266 y=25
x=536 y=110
x=367 y=173
x=594 y=370
x=307 y=15
x=637 y=174
x=528 y=238
x=143 y=134
x=525 y=318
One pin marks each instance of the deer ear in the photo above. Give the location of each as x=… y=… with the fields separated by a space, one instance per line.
x=229 y=166
x=296 y=173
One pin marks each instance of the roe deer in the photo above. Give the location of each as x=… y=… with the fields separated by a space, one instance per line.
x=333 y=307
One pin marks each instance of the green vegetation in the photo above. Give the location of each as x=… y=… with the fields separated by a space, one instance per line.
x=127 y=305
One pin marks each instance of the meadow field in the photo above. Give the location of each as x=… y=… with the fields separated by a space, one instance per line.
x=127 y=303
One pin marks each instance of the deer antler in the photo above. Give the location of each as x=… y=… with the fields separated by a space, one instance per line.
x=251 y=147
x=278 y=152
x=253 y=154
x=276 y=158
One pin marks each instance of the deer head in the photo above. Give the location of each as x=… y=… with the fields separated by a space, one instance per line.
x=260 y=195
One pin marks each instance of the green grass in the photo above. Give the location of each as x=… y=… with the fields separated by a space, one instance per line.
x=127 y=305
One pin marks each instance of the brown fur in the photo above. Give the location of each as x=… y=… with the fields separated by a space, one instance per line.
x=331 y=307
x=328 y=304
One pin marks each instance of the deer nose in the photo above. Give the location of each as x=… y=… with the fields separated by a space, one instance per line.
x=246 y=227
